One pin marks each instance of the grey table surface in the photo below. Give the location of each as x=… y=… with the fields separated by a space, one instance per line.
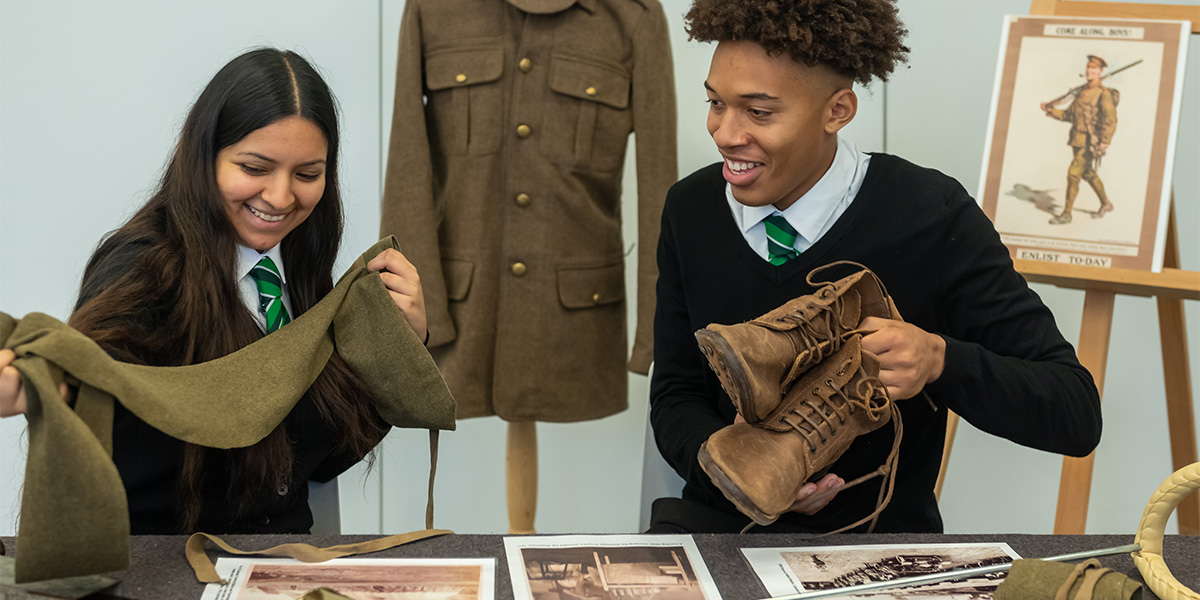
x=159 y=571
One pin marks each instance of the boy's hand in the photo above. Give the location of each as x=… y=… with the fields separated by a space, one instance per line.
x=814 y=496
x=909 y=357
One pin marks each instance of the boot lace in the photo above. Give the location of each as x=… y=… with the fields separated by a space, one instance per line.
x=869 y=395
x=872 y=390
x=811 y=333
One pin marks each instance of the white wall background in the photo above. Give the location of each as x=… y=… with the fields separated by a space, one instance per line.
x=92 y=96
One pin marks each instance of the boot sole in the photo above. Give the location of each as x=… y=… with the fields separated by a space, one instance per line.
x=730 y=373
x=731 y=490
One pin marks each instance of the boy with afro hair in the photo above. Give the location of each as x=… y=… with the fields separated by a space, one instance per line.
x=975 y=339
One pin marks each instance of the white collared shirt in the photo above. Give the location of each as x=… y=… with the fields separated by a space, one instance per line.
x=247 y=258
x=816 y=211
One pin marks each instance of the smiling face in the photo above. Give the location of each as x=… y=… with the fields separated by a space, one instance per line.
x=271 y=180
x=775 y=122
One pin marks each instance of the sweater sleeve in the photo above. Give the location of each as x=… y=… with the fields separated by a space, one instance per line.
x=1008 y=370
x=682 y=414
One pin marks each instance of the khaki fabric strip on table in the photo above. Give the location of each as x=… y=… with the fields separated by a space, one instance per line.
x=1033 y=579
x=74 y=516
x=206 y=572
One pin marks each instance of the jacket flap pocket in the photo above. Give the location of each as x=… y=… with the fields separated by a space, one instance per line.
x=458 y=277
x=459 y=67
x=590 y=79
x=582 y=287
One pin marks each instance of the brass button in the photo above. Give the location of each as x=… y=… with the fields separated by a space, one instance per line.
x=523 y=200
x=519 y=268
x=591 y=91
x=596 y=297
x=524 y=131
x=525 y=65
x=460 y=78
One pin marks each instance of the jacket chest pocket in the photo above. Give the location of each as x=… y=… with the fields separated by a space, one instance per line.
x=588 y=118
x=464 y=99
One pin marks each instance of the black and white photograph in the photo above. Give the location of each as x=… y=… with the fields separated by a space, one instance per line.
x=358 y=579
x=785 y=571
x=608 y=567
x=1082 y=137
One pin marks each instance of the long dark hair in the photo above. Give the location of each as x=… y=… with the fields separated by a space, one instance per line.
x=178 y=302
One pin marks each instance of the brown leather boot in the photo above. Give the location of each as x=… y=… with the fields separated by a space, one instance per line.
x=761 y=468
x=758 y=361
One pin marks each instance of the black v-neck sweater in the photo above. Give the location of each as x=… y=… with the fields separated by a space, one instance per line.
x=1008 y=370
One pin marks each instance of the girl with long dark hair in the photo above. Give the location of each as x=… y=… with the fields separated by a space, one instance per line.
x=239 y=239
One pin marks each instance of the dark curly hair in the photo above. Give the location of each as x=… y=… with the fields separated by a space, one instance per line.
x=859 y=39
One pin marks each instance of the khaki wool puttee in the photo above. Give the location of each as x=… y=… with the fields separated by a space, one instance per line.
x=206 y=572
x=74 y=514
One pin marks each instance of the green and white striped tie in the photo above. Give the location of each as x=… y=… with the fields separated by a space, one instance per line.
x=781 y=240
x=270 y=293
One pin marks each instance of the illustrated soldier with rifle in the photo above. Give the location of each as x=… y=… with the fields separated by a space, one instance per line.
x=1093 y=117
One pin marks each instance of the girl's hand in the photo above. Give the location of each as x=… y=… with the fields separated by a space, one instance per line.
x=401 y=279
x=12 y=393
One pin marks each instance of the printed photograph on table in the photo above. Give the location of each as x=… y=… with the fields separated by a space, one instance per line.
x=579 y=567
x=1080 y=146
x=356 y=578
x=787 y=571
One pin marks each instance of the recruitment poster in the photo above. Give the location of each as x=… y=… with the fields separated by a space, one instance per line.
x=1080 y=146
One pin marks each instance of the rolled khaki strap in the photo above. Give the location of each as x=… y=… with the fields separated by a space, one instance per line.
x=207 y=573
x=1033 y=579
x=74 y=514
x=1091 y=571
x=1150 y=531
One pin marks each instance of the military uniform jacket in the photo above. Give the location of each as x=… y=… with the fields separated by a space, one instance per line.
x=503 y=185
x=1092 y=115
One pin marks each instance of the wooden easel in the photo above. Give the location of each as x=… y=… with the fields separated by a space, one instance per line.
x=1101 y=286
